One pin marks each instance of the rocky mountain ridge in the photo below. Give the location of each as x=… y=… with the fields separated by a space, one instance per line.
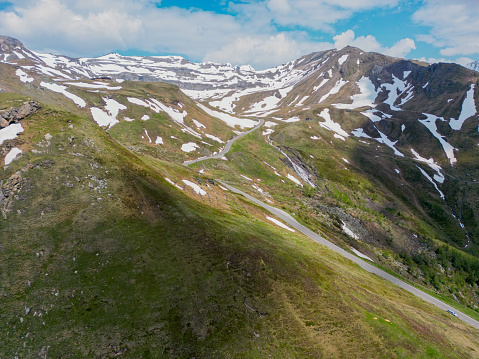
x=114 y=221
x=376 y=153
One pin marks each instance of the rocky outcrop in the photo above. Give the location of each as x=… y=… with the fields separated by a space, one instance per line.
x=7 y=191
x=7 y=44
x=7 y=117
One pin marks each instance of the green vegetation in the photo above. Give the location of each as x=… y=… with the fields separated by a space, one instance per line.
x=397 y=212
x=105 y=258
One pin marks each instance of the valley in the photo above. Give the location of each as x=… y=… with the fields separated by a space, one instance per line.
x=155 y=207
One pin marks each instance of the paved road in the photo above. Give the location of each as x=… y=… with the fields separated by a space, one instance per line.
x=362 y=263
x=227 y=147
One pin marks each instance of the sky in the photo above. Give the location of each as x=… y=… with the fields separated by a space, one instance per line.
x=261 y=33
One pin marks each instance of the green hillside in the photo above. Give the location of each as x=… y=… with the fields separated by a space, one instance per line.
x=101 y=257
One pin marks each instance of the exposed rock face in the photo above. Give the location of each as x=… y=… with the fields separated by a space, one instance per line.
x=8 y=117
x=7 y=44
x=7 y=191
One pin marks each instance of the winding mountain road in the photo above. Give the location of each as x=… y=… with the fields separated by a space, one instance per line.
x=227 y=146
x=362 y=263
x=287 y=218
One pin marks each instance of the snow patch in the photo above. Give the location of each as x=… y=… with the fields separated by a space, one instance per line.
x=438 y=177
x=281 y=224
x=343 y=59
x=147 y=135
x=10 y=132
x=217 y=139
x=229 y=119
x=270 y=124
x=366 y=96
x=360 y=255
x=431 y=180
x=62 y=89
x=468 y=110
x=385 y=140
x=295 y=180
x=334 y=90
x=94 y=86
x=322 y=83
x=430 y=123
x=331 y=125
x=24 y=76
x=14 y=152
x=109 y=117
x=198 y=124
x=257 y=188
x=189 y=147
x=370 y=114
x=349 y=232
x=195 y=187
x=173 y=183
x=396 y=90
x=359 y=132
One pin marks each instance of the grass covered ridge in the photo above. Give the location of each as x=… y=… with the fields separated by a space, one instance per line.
x=100 y=257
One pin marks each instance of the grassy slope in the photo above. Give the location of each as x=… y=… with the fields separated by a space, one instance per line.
x=109 y=258
x=394 y=208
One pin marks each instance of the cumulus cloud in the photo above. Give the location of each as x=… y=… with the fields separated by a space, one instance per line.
x=249 y=34
x=369 y=43
x=454 y=25
x=309 y=14
x=461 y=60
x=76 y=29
x=259 y=50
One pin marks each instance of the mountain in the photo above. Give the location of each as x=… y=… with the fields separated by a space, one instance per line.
x=111 y=247
x=473 y=65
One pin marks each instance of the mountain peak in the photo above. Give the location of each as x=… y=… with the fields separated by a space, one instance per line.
x=473 y=66
x=8 y=43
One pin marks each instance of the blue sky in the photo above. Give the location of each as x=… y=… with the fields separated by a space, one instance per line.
x=262 y=33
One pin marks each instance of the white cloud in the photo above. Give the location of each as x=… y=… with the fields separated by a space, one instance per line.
x=461 y=60
x=401 y=48
x=454 y=25
x=259 y=50
x=74 y=29
x=95 y=27
x=369 y=43
x=280 y=6
x=366 y=43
